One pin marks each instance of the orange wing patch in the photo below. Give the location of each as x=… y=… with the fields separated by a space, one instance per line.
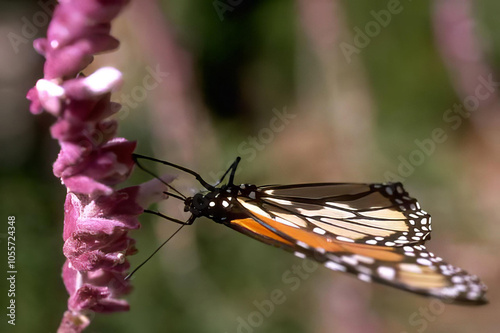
x=316 y=241
x=256 y=228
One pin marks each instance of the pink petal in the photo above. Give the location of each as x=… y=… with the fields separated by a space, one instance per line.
x=86 y=185
x=73 y=322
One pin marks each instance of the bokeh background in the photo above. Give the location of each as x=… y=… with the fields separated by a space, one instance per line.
x=304 y=91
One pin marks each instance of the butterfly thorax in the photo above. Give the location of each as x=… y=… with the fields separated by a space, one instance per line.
x=220 y=204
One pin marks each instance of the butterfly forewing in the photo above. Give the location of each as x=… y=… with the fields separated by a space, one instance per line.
x=373 y=214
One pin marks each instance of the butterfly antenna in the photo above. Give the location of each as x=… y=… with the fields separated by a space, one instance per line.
x=135 y=157
x=191 y=172
x=233 y=169
x=152 y=254
x=175 y=196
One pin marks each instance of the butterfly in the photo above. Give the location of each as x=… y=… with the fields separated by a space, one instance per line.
x=374 y=231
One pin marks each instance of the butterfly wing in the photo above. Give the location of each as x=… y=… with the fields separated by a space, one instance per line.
x=373 y=214
x=411 y=268
x=406 y=266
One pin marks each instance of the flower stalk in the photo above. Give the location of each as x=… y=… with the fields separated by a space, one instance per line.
x=92 y=161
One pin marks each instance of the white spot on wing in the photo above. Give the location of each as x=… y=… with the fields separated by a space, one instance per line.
x=319 y=231
x=364 y=259
x=320 y=250
x=344 y=239
x=350 y=260
x=279 y=201
x=449 y=292
x=339 y=205
x=299 y=254
x=302 y=244
x=334 y=266
x=364 y=277
x=387 y=273
x=423 y=261
x=410 y=268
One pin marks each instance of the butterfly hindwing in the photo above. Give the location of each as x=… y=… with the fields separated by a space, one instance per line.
x=411 y=268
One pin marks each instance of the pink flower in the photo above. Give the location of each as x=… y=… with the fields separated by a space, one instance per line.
x=92 y=161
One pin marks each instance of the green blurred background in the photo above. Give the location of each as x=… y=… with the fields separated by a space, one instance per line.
x=357 y=108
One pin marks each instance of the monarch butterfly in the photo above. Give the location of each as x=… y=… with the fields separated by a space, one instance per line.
x=375 y=231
